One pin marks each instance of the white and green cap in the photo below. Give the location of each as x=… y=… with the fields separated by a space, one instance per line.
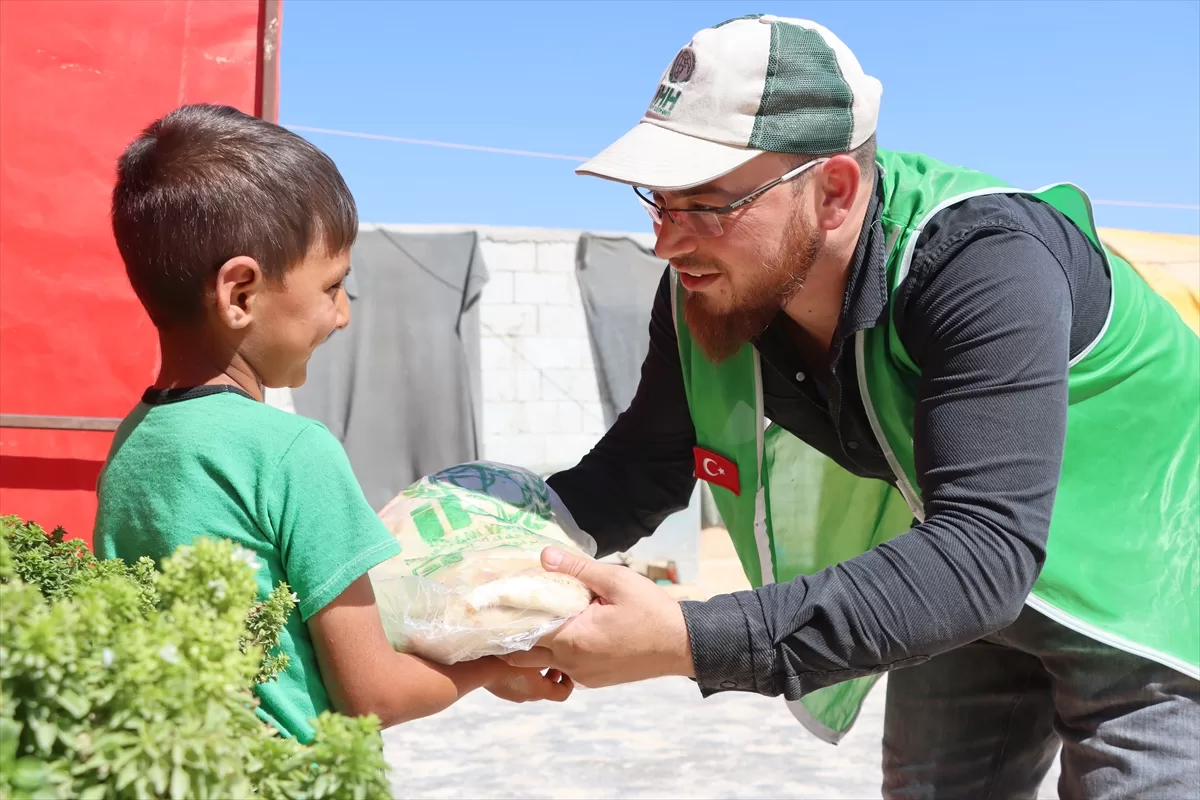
x=751 y=85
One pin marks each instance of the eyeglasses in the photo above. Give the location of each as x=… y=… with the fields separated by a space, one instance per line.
x=706 y=222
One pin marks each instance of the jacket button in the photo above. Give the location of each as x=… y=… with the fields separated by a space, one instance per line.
x=853 y=445
x=728 y=685
x=799 y=376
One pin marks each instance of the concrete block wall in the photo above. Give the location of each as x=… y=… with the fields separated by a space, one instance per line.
x=541 y=402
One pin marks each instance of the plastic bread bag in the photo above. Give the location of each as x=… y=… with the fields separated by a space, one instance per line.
x=469 y=582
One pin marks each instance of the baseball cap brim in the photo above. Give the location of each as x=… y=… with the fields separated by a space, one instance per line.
x=665 y=160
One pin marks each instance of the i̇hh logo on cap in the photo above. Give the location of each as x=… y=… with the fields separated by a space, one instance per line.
x=666 y=96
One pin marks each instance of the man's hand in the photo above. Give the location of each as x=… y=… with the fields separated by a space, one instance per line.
x=522 y=685
x=632 y=632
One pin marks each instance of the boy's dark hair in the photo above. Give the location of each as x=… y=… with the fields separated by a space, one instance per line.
x=207 y=183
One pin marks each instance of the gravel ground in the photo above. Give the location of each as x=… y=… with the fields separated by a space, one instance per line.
x=656 y=739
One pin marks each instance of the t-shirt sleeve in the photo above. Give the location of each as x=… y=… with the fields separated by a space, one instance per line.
x=327 y=534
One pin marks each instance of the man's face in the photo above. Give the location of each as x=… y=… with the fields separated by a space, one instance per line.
x=297 y=315
x=738 y=281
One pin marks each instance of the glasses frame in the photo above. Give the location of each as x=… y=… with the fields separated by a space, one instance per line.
x=702 y=220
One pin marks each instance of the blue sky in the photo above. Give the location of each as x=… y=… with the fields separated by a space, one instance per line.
x=1104 y=94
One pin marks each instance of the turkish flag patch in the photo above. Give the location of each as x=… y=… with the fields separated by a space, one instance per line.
x=717 y=470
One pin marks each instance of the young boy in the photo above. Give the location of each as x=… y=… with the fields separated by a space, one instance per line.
x=236 y=236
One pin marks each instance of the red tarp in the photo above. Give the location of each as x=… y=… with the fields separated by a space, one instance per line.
x=79 y=80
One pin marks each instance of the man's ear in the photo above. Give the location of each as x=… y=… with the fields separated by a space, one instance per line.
x=837 y=189
x=240 y=281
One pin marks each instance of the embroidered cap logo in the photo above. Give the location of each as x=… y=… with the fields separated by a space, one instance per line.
x=684 y=66
x=667 y=95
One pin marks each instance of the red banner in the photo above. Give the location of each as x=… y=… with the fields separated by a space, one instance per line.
x=79 y=80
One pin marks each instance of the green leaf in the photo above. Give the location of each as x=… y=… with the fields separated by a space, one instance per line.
x=127 y=775
x=30 y=773
x=180 y=782
x=44 y=733
x=10 y=735
x=158 y=776
x=73 y=703
x=97 y=792
x=322 y=785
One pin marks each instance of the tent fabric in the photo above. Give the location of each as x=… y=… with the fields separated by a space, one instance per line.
x=617 y=281
x=400 y=387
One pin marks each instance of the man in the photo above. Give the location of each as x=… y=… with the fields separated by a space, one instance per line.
x=980 y=467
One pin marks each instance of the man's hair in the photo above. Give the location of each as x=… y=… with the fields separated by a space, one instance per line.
x=207 y=183
x=863 y=155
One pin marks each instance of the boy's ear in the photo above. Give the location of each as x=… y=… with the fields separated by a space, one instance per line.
x=239 y=281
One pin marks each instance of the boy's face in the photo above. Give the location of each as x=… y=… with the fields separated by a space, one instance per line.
x=293 y=317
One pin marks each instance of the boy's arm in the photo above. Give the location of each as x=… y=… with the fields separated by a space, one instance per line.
x=365 y=676
x=329 y=537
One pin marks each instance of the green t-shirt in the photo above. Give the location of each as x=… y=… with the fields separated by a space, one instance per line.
x=223 y=465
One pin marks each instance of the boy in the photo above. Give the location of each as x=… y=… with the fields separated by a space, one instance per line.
x=236 y=236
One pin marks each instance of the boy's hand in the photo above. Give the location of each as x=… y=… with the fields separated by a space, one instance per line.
x=521 y=685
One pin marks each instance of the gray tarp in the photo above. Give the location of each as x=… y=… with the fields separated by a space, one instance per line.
x=617 y=281
x=401 y=386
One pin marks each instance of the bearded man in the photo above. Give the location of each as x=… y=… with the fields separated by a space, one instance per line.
x=952 y=436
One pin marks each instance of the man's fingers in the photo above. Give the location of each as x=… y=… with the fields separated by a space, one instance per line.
x=603 y=579
x=534 y=658
x=558 y=690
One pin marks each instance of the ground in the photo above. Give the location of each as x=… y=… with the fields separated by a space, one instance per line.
x=651 y=740
x=656 y=739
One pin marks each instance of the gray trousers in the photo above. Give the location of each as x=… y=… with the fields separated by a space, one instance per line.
x=985 y=721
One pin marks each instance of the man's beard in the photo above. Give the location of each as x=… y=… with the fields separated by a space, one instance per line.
x=756 y=301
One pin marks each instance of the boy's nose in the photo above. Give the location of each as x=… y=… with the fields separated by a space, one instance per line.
x=343 y=309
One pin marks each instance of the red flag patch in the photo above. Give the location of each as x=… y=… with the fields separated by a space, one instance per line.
x=717 y=470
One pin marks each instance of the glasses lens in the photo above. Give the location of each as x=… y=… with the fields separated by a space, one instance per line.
x=698 y=223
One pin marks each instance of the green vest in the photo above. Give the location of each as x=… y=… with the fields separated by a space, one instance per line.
x=1122 y=565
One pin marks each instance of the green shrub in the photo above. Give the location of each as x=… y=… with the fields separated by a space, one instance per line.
x=122 y=681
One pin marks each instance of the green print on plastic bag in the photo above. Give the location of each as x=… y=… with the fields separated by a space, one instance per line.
x=469 y=491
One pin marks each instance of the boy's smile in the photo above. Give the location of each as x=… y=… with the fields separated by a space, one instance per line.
x=294 y=316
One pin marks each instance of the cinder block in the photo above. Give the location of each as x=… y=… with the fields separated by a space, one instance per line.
x=573 y=297
x=561 y=321
x=552 y=353
x=499 y=385
x=556 y=257
x=593 y=419
x=522 y=450
x=528 y=383
x=509 y=256
x=567 y=449
x=569 y=418
x=509 y=320
x=538 y=288
x=279 y=398
x=496 y=354
x=502 y=419
x=573 y=384
x=499 y=288
x=539 y=417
